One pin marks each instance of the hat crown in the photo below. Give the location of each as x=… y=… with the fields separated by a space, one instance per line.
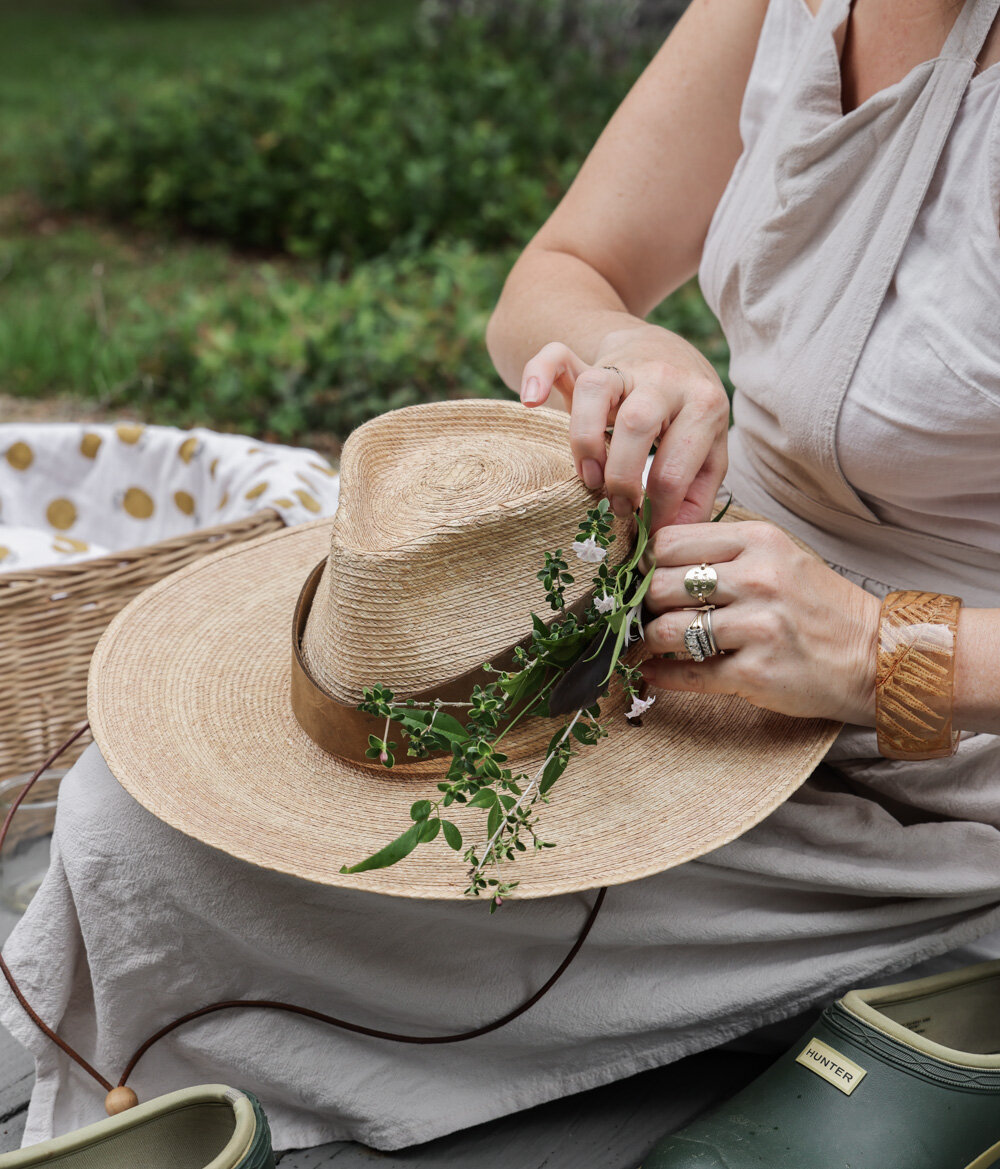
x=446 y=512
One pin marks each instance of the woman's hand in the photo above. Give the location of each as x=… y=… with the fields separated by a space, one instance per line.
x=667 y=393
x=797 y=637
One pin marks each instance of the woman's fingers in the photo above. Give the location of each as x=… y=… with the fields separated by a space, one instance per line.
x=596 y=395
x=687 y=544
x=638 y=424
x=649 y=402
x=712 y=676
x=667 y=591
x=554 y=366
x=666 y=634
x=683 y=490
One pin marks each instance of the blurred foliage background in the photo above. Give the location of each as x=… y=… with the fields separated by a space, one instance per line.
x=286 y=217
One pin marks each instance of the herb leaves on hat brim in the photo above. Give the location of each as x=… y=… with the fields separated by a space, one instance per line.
x=564 y=671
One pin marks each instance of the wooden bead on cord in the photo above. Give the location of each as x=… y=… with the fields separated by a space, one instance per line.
x=120 y=1099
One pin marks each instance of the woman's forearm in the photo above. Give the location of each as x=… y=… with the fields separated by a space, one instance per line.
x=977 y=671
x=552 y=296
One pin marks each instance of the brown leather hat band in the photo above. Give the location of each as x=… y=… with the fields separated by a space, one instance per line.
x=343 y=730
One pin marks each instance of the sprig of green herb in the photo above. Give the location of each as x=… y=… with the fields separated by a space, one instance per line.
x=564 y=671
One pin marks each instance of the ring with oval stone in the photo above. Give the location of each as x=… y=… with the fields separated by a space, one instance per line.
x=701 y=582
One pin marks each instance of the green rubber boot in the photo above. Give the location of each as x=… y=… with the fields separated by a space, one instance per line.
x=900 y=1077
x=208 y=1127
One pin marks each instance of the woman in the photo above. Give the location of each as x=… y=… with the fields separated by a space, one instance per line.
x=866 y=406
x=850 y=251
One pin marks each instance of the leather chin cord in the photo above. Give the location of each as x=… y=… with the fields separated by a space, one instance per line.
x=121 y=1096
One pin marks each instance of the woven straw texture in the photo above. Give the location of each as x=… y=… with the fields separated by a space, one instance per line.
x=446 y=512
x=189 y=700
x=51 y=619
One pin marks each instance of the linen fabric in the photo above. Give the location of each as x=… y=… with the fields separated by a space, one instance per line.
x=136 y=924
x=853 y=262
x=871 y=865
x=74 y=491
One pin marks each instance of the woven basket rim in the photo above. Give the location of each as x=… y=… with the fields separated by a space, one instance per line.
x=14 y=578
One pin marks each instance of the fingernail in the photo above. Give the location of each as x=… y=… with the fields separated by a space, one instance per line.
x=532 y=392
x=593 y=476
x=621 y=506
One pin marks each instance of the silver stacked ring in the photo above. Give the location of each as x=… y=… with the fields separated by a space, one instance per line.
x=615 y=369
x=699 y=640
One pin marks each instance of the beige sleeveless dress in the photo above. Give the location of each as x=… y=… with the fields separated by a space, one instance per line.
x=853 y=262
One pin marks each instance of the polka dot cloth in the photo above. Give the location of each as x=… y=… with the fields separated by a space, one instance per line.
x=75 y=491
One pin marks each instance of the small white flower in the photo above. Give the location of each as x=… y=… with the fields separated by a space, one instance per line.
x=639 y=706
x=605 y=604
x=589 y=550
x=634 y=614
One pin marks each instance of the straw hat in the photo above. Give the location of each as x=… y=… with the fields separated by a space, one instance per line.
x=428 y=570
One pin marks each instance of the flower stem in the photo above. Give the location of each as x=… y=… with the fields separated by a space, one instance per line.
x=527 y=791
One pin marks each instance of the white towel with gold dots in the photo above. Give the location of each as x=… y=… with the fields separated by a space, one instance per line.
x=73 y=491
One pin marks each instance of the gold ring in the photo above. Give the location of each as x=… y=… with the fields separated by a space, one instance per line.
x=701 y=582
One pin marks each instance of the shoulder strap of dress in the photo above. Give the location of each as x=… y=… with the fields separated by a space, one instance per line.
x=971 y=28
x=832 y=13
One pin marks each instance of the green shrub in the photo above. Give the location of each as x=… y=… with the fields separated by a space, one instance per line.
x=353 y=138
x=284 y=357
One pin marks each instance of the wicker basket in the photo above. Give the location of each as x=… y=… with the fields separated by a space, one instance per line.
x=51 y=619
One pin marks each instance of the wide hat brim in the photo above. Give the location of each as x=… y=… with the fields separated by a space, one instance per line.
x=189 y=704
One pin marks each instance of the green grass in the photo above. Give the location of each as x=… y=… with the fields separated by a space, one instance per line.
x=186 y=333
x=81 y=304
x=185 y=330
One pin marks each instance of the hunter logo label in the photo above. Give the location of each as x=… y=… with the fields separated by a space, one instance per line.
x=835 y=1068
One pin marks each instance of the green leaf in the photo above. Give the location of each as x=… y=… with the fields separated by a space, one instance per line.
x=449 y=726
x=414 y=721
x=392 y=853
x=428 y=830
x=641 y=591
x=420 y=810
x=553 y=769
x=641 y=538
x=495 y=819
x=560 y=650
x=452 y=835
x=617 y=619
x=729 y=504
x=484 y=798
x=616 y=652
